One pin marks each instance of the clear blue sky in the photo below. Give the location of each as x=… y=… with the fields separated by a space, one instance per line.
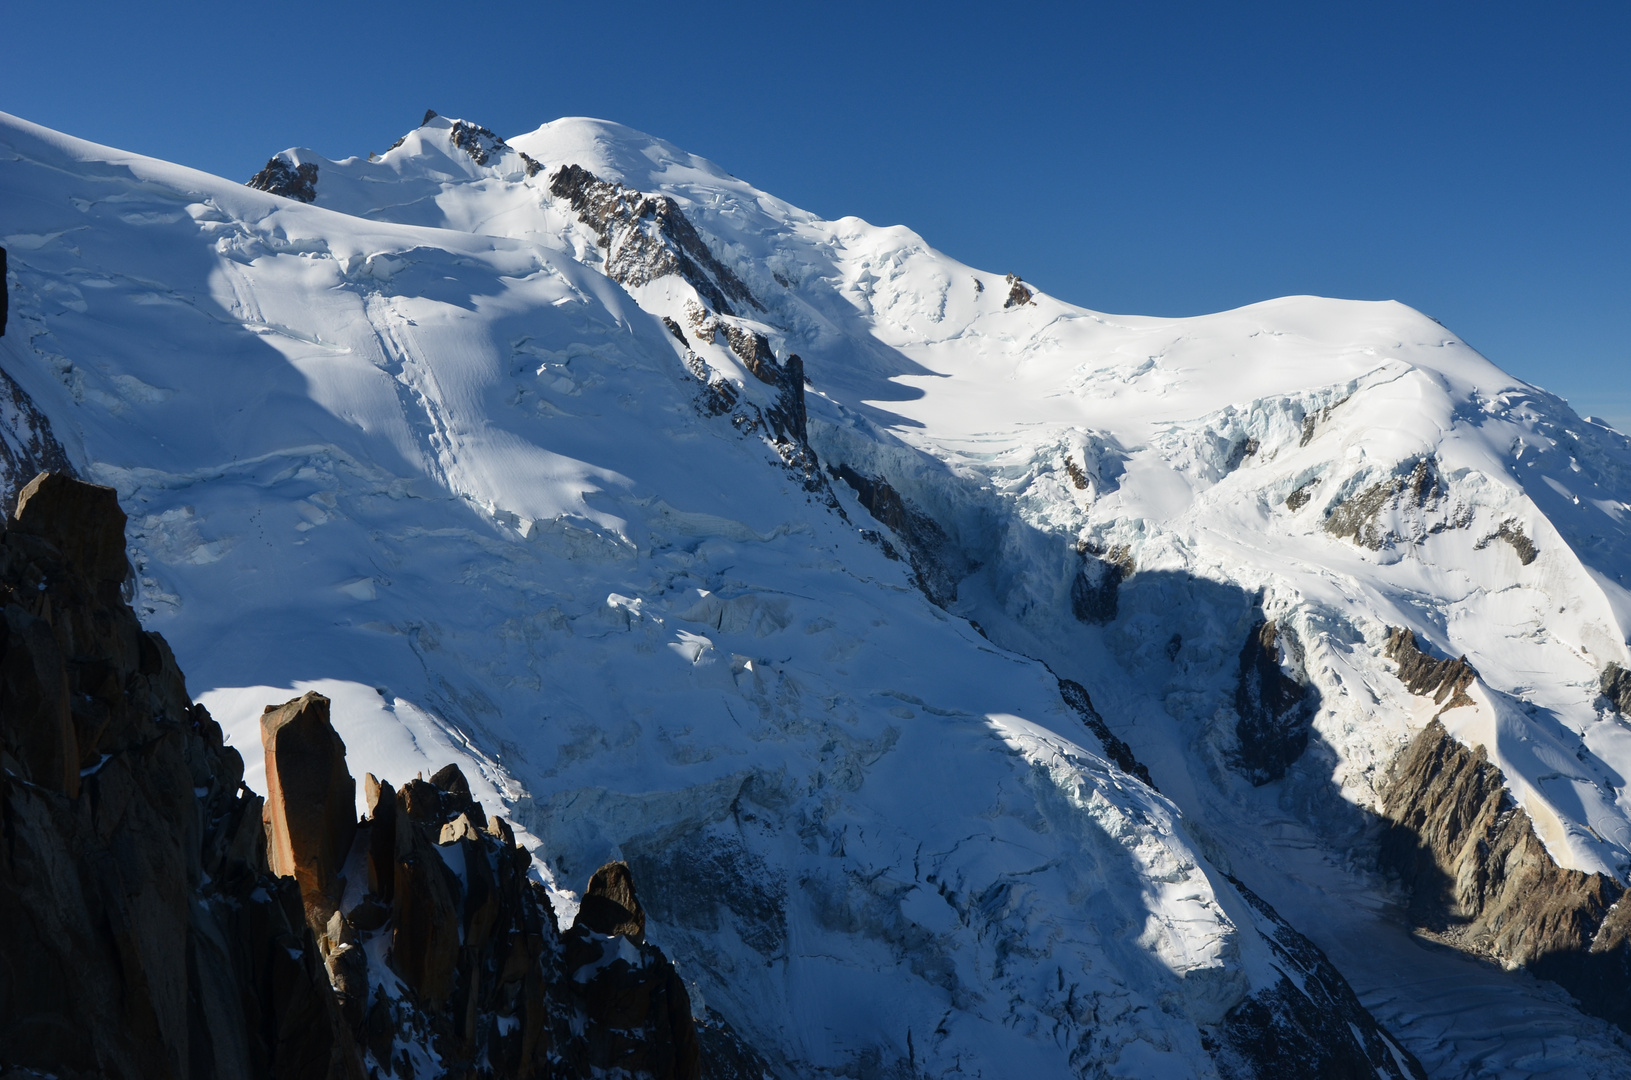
x=1470 y=159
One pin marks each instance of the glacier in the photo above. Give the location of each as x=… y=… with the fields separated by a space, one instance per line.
x=509 y=468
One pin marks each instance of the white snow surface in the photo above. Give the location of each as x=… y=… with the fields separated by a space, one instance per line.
x=409 y=447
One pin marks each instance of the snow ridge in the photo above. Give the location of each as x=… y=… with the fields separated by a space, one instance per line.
x=539 y=480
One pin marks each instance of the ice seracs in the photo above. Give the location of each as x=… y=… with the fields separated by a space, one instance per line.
x=756 y=552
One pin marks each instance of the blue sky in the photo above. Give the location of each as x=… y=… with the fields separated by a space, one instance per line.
x=1470 y=159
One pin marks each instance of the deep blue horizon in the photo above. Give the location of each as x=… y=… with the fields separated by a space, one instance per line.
x=1469 y=160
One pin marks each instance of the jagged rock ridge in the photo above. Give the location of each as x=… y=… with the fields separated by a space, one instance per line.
x=1075 y=695
x=145 y=935
x=1445 y=681
x=1480 y=879
x=1419 y=503
x=152 y=934
x=1477 y=875
x=937 y=563
x=648 y=236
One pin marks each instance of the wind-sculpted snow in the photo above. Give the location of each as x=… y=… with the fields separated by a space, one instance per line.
x=410 y=445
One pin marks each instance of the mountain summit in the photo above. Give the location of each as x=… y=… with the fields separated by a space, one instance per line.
x=975 y=684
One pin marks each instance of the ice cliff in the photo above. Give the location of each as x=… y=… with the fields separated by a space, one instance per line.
x=973 y=683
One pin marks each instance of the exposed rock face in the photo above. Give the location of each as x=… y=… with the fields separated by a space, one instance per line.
x=470 y=936
x=1418 y=498
x=609 y=905
x=479 y=142
x=5 y=290
x=1075 y=695
x=787 y=417
x=474 y=140
x=1481 y=880
x=1513 y=534
x=647 y=237
x=310 y=797
x=1273 y=708
x=1078 y=477
x=282 y=176
x=628 y=985
x=1616 y=686
x=1018 y=294
x=782 y=424
x=1478 y=876
x=1310 y=1024
x=1445 y=681
x=1095 y=589
x=491 y=987
x=935 y=559
x=144 y=937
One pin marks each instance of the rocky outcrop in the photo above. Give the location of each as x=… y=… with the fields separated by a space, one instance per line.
x=1445 y=681
x=444 y=953
x=1018 y=294
x=787 y=416
x=1096 y=588
x=480 y=143
x=1615 y=683
x=1301 y=495
x=783 y=423
x=144 y=936
x=1273 y=708
x=445 y=949
x=643 y=1011
x=1513 y=534
x=1476 y=874
x=936 y=561
x=1419 y=499
x=310 y=798
x=475 y=140
x=1478 y=877
x=1309 y=1024
x=147 y=935
x=283 y=176
x=646 y=237
x=1075 y=695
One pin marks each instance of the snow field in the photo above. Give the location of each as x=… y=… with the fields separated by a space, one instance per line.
x=410 y=446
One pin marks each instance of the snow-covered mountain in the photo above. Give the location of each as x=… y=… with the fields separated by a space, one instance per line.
x=780 y=557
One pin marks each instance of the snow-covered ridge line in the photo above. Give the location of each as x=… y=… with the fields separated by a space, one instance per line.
x=579 y=537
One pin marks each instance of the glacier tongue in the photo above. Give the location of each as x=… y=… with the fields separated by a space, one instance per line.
x=409 y=444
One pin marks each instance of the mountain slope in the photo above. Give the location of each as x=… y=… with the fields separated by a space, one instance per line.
x=517 y=466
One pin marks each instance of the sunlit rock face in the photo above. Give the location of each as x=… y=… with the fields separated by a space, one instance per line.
x=780 y=602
